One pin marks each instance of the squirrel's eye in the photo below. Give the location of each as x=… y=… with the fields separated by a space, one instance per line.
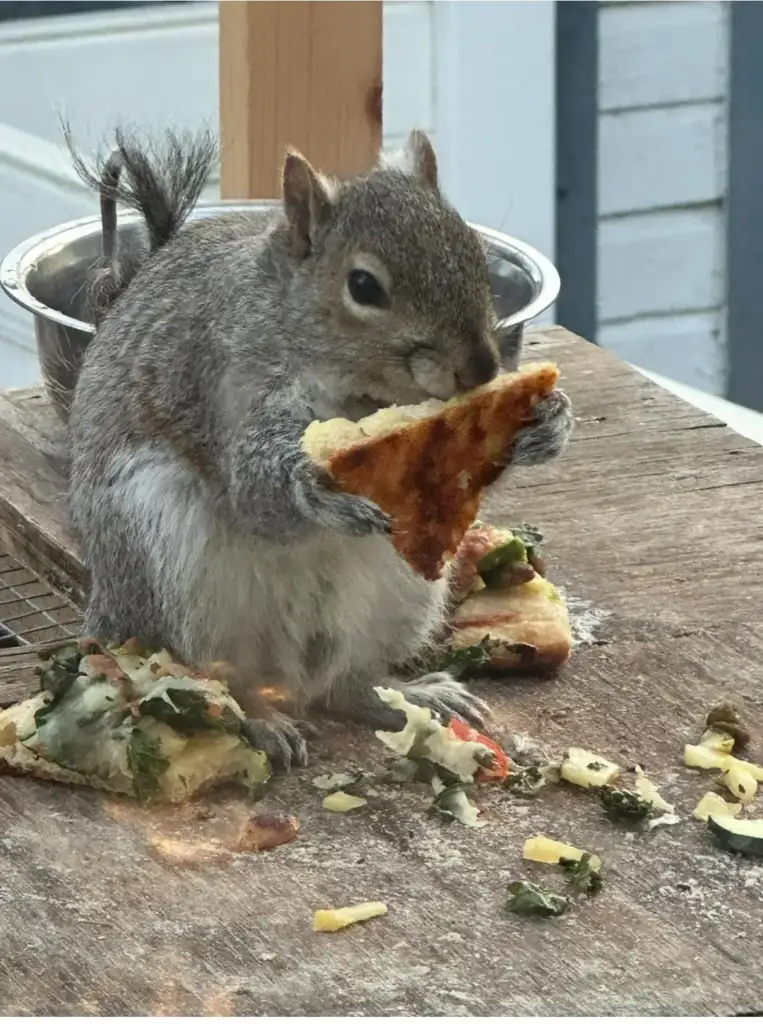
x=366 y=290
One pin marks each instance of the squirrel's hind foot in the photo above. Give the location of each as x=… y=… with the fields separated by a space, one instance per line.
x=280 y=737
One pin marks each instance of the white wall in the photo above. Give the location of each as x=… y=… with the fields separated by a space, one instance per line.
x=663 y=76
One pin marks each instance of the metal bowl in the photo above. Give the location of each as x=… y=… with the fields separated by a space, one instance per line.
x=47 y=275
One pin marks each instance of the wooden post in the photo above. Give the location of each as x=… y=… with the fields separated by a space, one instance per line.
x=306 y=74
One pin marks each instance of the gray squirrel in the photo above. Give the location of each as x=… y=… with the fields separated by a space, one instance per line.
x=203 y=524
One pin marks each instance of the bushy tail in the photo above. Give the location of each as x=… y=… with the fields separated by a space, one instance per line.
x=161 y=179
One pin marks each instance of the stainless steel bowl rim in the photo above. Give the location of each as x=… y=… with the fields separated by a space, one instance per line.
x=18 y=263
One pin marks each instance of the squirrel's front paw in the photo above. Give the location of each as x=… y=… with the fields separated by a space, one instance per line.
x=344 y=513
x=547 y=436
x=279 y=737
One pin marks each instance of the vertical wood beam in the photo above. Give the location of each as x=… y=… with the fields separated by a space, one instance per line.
x=306 y=74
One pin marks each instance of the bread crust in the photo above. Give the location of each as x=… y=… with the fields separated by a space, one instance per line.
x=428 y=475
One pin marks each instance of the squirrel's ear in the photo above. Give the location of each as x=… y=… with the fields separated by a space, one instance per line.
x=307 y=200
x=416 y=159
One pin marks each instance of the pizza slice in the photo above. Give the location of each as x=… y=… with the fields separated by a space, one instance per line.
x=507 y=613
x=427 y=465
x=129 y=721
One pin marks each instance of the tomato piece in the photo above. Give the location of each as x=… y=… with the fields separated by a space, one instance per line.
x=500 y=768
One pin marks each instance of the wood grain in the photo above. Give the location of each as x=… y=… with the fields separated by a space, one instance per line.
x=653 y=527
x=307 y=75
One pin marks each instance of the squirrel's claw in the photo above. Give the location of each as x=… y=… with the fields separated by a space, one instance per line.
x=446 y=697
x=280 y=738
x=547 y=436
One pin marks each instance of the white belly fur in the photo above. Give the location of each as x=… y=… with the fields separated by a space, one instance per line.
x=261 y=604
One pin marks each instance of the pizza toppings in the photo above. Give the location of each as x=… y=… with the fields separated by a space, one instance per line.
x=341 y=917
x=105 y=718
x=739 y=835
x=619 y=803
x=726 y=719
x=740 y=782
x=532 y=901
x=423 y=736
x=451 y=802
x=650 y=794
x=712 y=805
x=342 y=802
x=583 y=871
x=721 y=742
x=551 y=851
x=586 y=769
x=500 y=767
x=337 y=780
x=585 y=875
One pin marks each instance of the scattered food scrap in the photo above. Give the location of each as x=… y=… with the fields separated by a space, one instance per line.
x=342 y=802
x=742 y=835
x=336 y=919
x=338 y=780
x=586 y=769
x=532 y=901
x=649 y=792
x=712 y=804
x=664 y=819
x=727 y=719
x=500 y=767
x=551 y=851
x=740 y=782
x=584 y=872
x=453 y=803
x=266 y=831
x=621 y=804
x=424 y=737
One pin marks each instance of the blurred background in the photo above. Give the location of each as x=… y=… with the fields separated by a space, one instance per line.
x=624 y=140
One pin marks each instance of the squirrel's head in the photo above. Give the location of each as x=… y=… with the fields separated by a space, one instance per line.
x=391 y=282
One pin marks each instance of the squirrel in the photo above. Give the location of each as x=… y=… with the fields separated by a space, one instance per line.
x=202 y=522
x=162 y=180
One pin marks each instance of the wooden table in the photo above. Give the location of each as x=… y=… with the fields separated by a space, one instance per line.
x=653 y=524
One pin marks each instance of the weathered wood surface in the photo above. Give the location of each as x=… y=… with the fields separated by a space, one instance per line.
x=653 y=524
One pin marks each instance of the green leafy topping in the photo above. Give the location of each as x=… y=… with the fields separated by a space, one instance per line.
x=505 y=554
x=525 y=782
x=526 y=898
x=255 y=771
x=146 y=763
x=339 y=780
x=595 y=766
x=583 y=877
x=619 y=803
x=453 y=804
x=511 y=575
x=463 y=660
x=188 y=711
x=530 y=536
x=57 y=677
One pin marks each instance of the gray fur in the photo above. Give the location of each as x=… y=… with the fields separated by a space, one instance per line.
x=162 y=180
x=203 y=523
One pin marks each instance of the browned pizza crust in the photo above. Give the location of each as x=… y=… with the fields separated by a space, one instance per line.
x=425 y=466
x=532 y=615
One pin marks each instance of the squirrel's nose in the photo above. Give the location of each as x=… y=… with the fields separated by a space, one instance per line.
x=480 y=367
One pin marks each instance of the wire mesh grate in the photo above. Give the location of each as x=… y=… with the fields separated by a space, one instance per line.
x=31 y=612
